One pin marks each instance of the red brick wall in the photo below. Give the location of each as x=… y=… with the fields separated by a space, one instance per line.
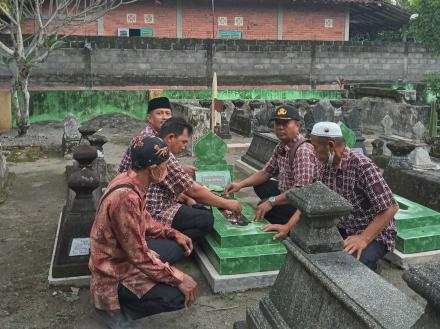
x=260 y=20
x=164 y=18
x=302 y=23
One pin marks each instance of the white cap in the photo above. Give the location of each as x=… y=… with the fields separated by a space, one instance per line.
x=326 y=129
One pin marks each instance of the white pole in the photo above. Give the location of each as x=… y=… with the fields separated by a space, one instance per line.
x=214 y=97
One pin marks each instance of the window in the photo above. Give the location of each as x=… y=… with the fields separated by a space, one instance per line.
x=230 y=34
x=147 y=33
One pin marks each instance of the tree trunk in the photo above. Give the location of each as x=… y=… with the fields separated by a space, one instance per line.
x=20 y=87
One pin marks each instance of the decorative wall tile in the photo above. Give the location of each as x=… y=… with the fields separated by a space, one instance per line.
x=328 y=23
x=238 y=21
x=222 y=21
x=149 y=18
x=131 y=18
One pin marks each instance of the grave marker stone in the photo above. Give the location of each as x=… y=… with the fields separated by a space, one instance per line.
x=387 y=124
x=71 y=135
x=400 y=155
x=353 y=119
x=71 y=253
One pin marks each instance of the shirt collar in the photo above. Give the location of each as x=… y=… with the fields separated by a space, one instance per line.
x=292 y=142
x=154 y=131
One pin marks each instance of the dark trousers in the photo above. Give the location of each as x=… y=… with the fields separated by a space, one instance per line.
x=278 y=214
x=162 y=297
x=371 y=255
x=194 y=222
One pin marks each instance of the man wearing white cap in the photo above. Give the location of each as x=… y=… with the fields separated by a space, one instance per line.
x=369 y=231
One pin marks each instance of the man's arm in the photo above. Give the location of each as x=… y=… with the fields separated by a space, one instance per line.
x=255 y=179
x=129 y=227
x=283 y=230
x=206 y=197
x=357 y=243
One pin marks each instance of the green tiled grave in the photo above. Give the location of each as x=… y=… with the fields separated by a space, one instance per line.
x=418 y=227
x=234 y=249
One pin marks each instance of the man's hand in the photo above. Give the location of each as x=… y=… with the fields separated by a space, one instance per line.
x=355 y=244
x=262 y=209
x=283 y=230
x=190 y=170
x=185 y=242
x=190 y=202
x=189 y=289
x=231 y=188
x=234 y=206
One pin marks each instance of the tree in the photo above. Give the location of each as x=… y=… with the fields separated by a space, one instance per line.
x=426 y=22
x=51 y=19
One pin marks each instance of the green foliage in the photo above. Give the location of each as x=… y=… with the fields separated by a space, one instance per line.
x=432 y=80
x=426 y=27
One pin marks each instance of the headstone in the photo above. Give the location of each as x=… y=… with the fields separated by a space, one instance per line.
x=71 y=135
x=387 y=124
x=377 y=147
x=222 y=128
x=400 y=155
x=72 y=247
x=419 y=131
x=323 y=286
x=353 y=120
x=260 y=150
x=425 y=281
x=99 y=165
x=251 y=116
x=212 y=168
x=435 y=148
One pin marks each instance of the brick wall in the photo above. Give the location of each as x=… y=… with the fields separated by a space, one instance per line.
x=190 y=62
x=256 y=21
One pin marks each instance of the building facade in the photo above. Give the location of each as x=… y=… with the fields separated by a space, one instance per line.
x=327 y=20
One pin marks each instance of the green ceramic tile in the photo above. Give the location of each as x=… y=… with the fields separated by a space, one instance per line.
x=413 y=215
x=418 y=239
x=229 y=235
x=244 y=259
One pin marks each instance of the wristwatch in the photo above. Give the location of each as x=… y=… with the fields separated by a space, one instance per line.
x=272 y=200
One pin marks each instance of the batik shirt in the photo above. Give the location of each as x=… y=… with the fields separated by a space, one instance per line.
x=302 y=172
x=118 y=248
x=148 y=131
x=359 y=181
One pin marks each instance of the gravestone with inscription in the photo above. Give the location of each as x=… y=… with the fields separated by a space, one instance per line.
x=419 y=157
x=71 y=135
x=71 y=253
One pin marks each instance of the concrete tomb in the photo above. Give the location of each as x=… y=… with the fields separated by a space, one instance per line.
x=425 y=281
x=320 y=285
x=71 y=251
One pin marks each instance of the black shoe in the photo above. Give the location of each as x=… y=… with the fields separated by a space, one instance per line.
x=116 y=320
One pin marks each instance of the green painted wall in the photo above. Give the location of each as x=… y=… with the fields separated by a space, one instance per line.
x=86 y=104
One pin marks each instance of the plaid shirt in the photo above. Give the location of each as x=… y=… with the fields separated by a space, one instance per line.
x=359 y=181
x=162 y=197
x=303 y=172
x=148 y=131
x=118 y=248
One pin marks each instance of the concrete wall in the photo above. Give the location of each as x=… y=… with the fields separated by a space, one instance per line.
x=190 y=62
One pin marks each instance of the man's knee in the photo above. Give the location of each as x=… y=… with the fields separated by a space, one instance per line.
x=206 y=222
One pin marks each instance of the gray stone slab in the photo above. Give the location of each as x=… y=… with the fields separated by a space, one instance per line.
x=78 y=281
x=236 y=282
x=405 y=261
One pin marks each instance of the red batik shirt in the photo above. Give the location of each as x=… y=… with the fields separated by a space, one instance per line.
x=359 y=181
x=148 y=131
x=303 y=172
x=118 y=248
x=162 y=197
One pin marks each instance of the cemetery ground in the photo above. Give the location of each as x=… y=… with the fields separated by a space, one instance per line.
x=28 y=221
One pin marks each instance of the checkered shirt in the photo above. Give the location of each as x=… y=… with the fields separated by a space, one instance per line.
x=359 y=181
x=148 y=131
x=303 y=172
x=162 y=197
